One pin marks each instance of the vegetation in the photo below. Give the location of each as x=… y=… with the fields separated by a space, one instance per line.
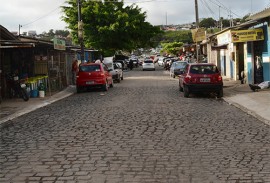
x=171 y=48
x=109 y=25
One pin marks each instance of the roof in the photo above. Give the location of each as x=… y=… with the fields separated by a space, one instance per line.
x=262 y=14
x=6 y=35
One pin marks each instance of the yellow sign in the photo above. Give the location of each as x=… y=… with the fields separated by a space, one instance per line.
x=198 y=34
x=247 y=35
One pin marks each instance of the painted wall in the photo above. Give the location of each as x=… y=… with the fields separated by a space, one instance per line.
x=265 y=56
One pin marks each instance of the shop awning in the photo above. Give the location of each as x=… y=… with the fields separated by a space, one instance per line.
x=219 y=47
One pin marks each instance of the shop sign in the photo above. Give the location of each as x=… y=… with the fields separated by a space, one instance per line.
x=247 y=35
x=198 y=34
x=59 y=44
x=224 y=38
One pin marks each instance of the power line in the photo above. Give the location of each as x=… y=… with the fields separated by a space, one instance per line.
x=218 y=3
x=208 y=7
x=47 y=14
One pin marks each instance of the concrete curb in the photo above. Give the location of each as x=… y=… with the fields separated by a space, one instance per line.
x=246 y=110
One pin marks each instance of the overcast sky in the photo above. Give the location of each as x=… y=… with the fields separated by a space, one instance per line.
x=43 y=15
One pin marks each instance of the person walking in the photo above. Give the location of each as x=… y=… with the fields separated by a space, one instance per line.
x=75 y=69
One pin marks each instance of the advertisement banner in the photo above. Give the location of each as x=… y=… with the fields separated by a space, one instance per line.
x=247 y=35
x=59 y=44
x=198 y=34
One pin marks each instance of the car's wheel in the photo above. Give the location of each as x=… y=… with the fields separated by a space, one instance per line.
x=119 y=80
x=180 y=88
x=143 y=70
x=122 y=78
x=186 y=92
x=105 y=87
x=174 y=76
x=111 y=85
x=79 y=90
x=220 y=93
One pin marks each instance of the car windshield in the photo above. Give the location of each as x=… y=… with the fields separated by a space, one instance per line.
x=89 y=68
x=180 y=65
x=148 y=61
x=203 y=69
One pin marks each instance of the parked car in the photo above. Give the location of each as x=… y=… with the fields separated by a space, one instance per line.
x=123 y=63
x=148 y=65
x=177 y=68
x=115 y=69
x=201 y=77
x=118 y=72
x=93 y=75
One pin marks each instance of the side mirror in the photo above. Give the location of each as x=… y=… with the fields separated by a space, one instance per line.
x=109 y=70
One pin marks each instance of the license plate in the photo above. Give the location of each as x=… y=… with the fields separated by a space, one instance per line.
x=204 y=80
x=89 y=82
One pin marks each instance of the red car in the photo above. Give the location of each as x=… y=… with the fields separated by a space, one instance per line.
x=201 y=77
x=93 y=75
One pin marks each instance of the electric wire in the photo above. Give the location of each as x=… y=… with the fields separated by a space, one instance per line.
x=47 y=14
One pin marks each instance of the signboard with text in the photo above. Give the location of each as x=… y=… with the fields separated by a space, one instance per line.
x=198 y=34
x=59 y=44
x=247 y=35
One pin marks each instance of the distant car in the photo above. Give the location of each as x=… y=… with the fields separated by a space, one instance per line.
x=148 y=65
x=201 y=77
x=93 y=75
x=161 y=61
x=177 y=68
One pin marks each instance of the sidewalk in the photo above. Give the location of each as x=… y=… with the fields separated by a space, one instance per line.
x=256 y=104
x=13 y=108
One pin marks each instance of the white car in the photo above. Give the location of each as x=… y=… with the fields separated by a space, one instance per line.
x=115 y=69
x=160 y=61
x=148 y=65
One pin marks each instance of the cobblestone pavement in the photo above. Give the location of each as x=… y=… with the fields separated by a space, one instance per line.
x=142 y=130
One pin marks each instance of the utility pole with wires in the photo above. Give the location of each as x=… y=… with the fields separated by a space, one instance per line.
x=80 y=30
x=197 y=27
x=20 y=29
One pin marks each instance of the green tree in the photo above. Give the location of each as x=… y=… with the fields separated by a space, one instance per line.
x=184 y=36
x=207 y=23
x=171 y=48
x=109 y=25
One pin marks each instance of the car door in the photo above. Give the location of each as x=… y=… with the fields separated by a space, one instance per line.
x=107 y=74
x=183 y=75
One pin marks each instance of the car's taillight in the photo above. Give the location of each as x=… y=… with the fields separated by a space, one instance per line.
x=102 y=74
x=187 y=78
x=219 y=78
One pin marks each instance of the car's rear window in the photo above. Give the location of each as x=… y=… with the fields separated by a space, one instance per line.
x=204 y=69
x=89 y=68
x=180 y=64
x=148 y=61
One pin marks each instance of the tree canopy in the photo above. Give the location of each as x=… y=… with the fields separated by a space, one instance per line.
x=109 y=25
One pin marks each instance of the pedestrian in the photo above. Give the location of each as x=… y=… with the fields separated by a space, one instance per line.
x=75 y=69
x=262 y=85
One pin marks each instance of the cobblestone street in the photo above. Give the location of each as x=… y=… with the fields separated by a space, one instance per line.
x=142 y=130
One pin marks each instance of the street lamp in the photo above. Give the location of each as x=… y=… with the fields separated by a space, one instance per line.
x=80 y=30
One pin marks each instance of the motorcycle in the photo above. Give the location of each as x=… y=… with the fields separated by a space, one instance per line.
x=16 y=87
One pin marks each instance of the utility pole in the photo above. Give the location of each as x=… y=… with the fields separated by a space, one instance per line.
x=197 y=26
x=20 y=29
x=197 y=14
x=80 y=30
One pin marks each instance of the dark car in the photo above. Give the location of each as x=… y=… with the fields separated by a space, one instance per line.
x=177 y=68
x=201 y=78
